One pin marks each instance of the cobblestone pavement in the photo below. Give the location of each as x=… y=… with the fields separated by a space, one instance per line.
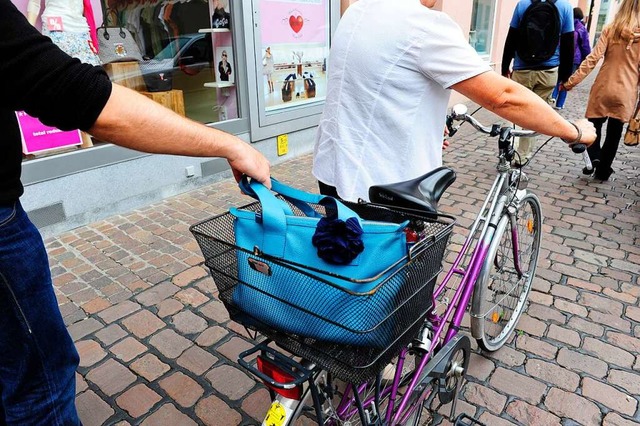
x=157 y=347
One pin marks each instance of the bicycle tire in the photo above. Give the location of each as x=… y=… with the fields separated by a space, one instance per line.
x=492 y=323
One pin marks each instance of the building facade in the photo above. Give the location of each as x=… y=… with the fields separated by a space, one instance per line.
x=255 y=68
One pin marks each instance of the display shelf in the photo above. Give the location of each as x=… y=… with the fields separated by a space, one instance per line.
x=213 y=30
x=219 y=85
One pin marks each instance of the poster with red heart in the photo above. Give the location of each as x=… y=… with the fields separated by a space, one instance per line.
x=295 y=47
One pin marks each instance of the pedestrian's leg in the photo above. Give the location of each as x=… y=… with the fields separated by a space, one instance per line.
x=561 y=99
x=556 y=90
x=594 y=149
x=609 y=148
x=329 y=190
x=523 y=145
x=37 y=356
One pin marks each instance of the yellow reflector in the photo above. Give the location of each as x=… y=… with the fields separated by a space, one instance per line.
x=495 y=317
x=530 y=226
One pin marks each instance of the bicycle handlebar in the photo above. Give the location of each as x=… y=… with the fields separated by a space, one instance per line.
x=493 y=130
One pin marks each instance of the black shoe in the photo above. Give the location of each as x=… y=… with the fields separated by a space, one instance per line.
x=594 y=164
x=603 y=173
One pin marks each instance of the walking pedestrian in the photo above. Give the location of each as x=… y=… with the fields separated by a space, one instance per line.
x=582 y=49
x=388 y=93
x=614 y=94
x=540 y=44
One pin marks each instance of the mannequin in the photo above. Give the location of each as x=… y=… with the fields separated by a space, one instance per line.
x=71 y=26
x=67 y=23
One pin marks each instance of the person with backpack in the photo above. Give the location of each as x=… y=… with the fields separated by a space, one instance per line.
x=540 y=44
x=582 y=49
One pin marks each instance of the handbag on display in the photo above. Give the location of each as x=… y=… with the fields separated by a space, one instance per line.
x=310 y=87
x=288 y=87
x=332 y=277
x=156 y=76
x=632 y=135
x=116 y=44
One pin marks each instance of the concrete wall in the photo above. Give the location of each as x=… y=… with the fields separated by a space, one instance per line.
x=67 y=202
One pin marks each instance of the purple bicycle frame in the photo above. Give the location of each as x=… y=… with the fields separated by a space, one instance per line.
x=456 y=307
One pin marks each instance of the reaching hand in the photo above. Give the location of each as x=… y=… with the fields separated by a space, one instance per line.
x=247 y=160
x=588 y=131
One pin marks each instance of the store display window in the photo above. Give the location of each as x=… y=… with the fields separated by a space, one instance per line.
x=179 y=53
x=186 y=51
x=294 y=39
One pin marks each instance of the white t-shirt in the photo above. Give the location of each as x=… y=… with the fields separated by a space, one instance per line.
x=391 y=64
x=69 y=12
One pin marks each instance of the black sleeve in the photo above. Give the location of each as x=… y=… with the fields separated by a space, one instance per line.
x=510 y=46
x=39 y=78
x=566 y=56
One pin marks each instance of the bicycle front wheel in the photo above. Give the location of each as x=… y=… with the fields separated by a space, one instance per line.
x=505 y=280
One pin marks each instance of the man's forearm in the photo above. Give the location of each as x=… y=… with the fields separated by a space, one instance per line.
x=515 y=103
x=134 y=121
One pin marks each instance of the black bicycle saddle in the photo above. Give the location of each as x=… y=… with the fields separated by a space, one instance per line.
x=422 y=193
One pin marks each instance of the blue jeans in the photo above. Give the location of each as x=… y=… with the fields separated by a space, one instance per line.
x=38 y=359
x=561 y=95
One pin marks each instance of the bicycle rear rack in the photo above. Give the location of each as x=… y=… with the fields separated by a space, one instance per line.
x=297 y=371
x=466 y=420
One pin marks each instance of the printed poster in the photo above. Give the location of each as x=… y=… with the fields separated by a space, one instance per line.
x=38 y=137
x=295 y=47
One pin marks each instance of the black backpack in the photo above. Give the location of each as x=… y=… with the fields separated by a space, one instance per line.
x=539 y=32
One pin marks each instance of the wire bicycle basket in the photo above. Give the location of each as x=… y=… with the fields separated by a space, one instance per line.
x=361 y=331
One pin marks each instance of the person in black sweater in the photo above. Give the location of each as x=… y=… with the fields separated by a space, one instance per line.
x=37 y=356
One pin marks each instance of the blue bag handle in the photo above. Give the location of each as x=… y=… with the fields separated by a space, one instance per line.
x=298 y=198
x=274 y=219
x=304 y=207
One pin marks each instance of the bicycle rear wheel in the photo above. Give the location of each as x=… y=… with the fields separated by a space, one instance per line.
x=504 y=283
x=375 y=415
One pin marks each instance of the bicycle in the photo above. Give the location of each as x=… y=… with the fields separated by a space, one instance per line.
x=495 y=267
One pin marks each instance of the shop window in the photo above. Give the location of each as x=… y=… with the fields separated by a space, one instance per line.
x=294 y=40
x=604 y=17
x=178 y=53
x=187 y=51
x=482 y=19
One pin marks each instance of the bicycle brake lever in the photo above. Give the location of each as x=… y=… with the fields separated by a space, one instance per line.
x=449 y=123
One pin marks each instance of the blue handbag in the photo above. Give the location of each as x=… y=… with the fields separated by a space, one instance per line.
x=285 y=284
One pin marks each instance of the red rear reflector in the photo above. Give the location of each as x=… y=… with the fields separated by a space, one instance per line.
x=279 y=376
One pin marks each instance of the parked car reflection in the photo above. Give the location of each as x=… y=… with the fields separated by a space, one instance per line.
x=186 y=63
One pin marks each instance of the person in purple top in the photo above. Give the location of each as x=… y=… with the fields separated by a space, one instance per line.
x=582 y=49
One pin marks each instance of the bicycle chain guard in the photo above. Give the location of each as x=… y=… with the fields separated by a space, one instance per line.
x=443 y=368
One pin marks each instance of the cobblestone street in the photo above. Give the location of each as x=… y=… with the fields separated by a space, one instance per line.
x=157 y=347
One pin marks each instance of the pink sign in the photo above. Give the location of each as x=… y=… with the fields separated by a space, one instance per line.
x=37 y=137
x=303 y=21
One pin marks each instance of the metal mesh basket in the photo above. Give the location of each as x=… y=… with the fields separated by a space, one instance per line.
x=381 y=321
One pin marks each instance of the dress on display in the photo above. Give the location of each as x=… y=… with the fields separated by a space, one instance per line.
x=65 y=23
